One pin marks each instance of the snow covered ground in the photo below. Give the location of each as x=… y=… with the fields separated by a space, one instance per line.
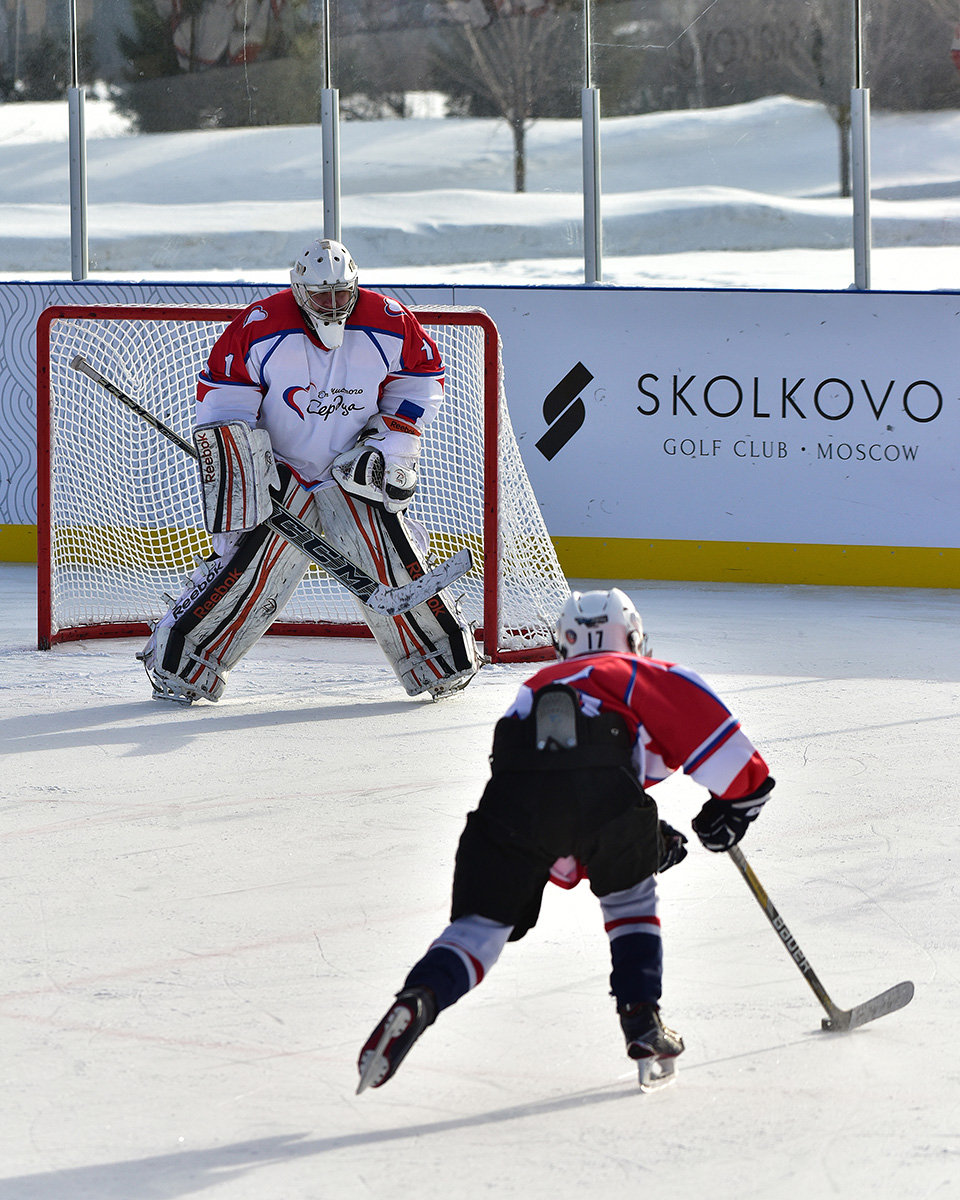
x=740 y=196
x=206 y=910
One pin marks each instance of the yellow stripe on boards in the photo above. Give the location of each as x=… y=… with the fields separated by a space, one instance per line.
x=18 y=543
x=712 y=562
x=759 y=562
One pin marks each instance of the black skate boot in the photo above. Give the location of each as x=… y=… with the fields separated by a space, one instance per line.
x=410 y=1014
x=654 y=1047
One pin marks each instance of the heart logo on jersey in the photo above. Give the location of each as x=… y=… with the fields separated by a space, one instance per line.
x=255 y=314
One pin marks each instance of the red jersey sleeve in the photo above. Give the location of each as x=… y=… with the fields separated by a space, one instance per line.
x=686 y=726
x=225 y=389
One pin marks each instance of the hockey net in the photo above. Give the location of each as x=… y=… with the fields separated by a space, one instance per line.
x=120 y=522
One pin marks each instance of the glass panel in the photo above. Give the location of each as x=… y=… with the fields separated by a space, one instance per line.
x=178 y=196
x=725 y=142
x=912 y=57
x=225 y=94
x=460 y=139
x=35 y=72
x=725 y=138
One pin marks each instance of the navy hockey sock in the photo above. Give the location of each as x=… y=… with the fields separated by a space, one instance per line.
x=444 y=973
x=637 y=968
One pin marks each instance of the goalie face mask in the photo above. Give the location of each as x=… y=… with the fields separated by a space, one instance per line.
x=593 y=622
x=324 y=282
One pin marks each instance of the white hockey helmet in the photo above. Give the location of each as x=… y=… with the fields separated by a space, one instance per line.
x=597 y=621
x=324 y=284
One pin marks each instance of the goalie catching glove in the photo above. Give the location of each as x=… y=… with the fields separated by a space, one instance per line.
x=720 y=824
x=237 y=471
x=382 y=466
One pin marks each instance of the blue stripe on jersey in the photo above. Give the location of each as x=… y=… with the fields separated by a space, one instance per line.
x=208 y=379
x=633 y=679
x=697 y=682
x=370 y=333
x=270 y=353
x=726 y=730
x=372 y=330
x=411 y=411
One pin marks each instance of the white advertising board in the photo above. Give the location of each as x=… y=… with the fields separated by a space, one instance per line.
x=748 y=416
x=677 y=434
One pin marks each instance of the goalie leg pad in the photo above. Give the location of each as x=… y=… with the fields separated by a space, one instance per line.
x=226 y=608
x=431 y=648
x=237 y=471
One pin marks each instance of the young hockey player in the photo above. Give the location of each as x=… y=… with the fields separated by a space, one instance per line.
x=566 y=801
x=317 y=396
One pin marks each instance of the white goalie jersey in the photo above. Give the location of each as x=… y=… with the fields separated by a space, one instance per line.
x=268 y=371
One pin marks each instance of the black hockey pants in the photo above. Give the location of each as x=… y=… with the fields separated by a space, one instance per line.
x=526 y=820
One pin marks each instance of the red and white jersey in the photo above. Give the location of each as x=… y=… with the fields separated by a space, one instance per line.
x=678 y=721
x=269 y=370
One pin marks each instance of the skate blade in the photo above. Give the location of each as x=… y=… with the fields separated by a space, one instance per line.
x=168 y=695
x=656 y=1073
x=370 y=1073
x=450 y=687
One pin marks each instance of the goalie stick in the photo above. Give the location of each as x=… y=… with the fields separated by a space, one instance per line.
x=838 y=1019
x=388 y=600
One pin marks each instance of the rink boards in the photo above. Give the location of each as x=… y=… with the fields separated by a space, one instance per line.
x=783 y=437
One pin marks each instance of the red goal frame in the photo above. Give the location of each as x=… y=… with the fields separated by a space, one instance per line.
x=50 y=634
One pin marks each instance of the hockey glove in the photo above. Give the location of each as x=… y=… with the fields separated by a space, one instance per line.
x=237 y=471
x=720 y=824
x=382 y=467
x=674 y=847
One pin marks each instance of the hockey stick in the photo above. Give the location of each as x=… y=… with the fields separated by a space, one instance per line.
x=839 y=1018
x=388 y=600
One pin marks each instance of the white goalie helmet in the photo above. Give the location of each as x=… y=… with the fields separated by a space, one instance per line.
x=598 y=621
x=324 y=284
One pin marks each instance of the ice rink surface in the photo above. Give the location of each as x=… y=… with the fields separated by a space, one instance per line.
x=206 y=911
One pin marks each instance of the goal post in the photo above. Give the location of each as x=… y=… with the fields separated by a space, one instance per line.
x=119 y=514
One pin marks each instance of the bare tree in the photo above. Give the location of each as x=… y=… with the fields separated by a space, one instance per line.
x=902 y=67
x=689 y=13
x=825 y=71
x=512 y=58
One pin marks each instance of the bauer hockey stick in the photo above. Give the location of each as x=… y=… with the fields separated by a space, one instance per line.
x=838 y=1018
x=388 y=600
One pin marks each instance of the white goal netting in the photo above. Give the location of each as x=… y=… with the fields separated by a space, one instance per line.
x=120 y=522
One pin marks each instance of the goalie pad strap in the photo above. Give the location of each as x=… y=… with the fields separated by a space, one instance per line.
x=237 y=470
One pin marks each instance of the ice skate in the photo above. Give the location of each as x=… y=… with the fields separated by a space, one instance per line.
x=412 y=1011
x=205 y=682
x=653 y=1046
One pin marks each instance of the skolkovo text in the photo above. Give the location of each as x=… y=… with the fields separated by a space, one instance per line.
x=790 y=399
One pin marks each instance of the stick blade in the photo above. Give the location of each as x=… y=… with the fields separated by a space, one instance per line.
x=887 y=1002
x=395 y=600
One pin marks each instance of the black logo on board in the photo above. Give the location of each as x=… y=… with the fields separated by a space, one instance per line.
x=564 y=411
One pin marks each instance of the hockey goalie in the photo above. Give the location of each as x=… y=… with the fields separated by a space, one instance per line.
x=316 y=397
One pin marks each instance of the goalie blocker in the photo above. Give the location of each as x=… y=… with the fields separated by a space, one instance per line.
x=237 y=471
x=234 y=596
